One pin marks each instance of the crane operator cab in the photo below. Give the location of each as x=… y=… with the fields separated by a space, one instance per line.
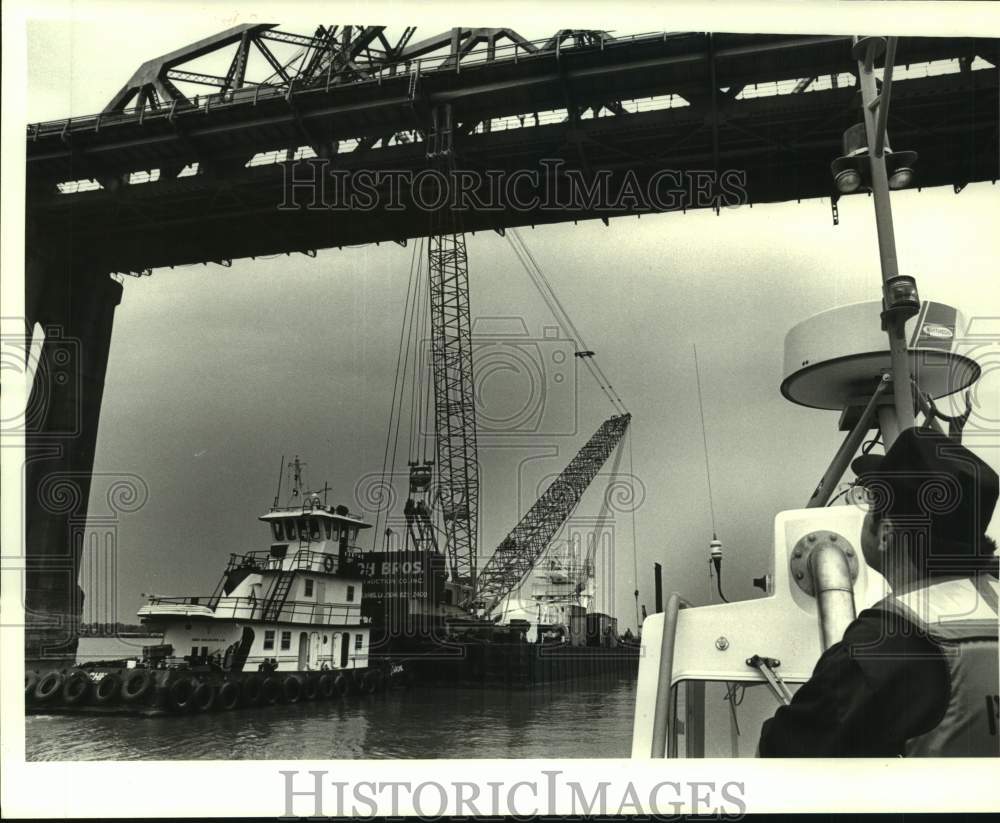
x=709 y=676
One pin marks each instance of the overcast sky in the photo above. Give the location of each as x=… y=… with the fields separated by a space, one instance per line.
x=215 y=373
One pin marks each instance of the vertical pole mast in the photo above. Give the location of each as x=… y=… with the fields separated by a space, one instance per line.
x=875 y=109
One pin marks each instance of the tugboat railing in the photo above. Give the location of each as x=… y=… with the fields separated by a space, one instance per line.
x=301 y=560
x=250 y=608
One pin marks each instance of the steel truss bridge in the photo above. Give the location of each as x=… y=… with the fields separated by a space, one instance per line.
x=177 y=178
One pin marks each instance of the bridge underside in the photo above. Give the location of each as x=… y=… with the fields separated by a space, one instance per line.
x=782 y=143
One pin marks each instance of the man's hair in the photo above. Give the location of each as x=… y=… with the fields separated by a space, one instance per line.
x=987 y=550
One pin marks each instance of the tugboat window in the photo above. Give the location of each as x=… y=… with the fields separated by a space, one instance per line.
x=286 y=641
x=314 y=528
x=269 y=638
x=329 y=528
x=350 y=594
x=359 y=641
x=309 y=588
x=276 y=529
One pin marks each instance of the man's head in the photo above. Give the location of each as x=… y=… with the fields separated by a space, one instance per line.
x=932 y=502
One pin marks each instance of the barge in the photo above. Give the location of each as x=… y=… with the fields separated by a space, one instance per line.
x=546 y=632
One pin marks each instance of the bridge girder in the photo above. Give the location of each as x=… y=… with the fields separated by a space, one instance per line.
x=783 y=143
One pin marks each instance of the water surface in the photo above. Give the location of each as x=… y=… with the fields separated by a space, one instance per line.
x=589 y=719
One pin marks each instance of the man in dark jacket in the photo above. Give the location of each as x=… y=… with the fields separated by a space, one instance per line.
x=917 y=674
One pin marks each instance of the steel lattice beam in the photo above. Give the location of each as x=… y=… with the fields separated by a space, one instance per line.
x=520 y=550
x=152 y=76
x=454 y=394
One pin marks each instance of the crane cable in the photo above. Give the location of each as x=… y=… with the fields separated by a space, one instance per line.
x=559 y=311
x=423 y=384
x=430 y=428
x=395 y=407
x=591 y=557
x=411 y=320
x=416 y=323
x=541 y=282
x=635 y=542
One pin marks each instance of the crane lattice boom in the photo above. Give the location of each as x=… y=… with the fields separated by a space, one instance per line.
x=454 y=407
x=520 y=550
x=454 y=401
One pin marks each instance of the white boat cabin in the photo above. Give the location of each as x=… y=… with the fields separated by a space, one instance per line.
x=296 y=604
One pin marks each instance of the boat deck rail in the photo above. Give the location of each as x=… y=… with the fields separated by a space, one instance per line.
x=252 y=608
x=301 y=560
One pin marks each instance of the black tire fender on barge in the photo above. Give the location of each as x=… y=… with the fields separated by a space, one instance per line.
x=137 y=684
x=48 y=686
x=341 y=685
x=228 y=696
x=204 y=696
x=76 y=688
x=30 y=681
x=250 y=690
x=370 y=682
x=310 y=688
x=270 y=690
x=107 y=689
x=180 y=694
x=327 y=689
x=292 y=689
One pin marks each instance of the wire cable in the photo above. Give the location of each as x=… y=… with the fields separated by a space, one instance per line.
x=408 y=325
x=430 y=410
x=632 y=501
x=426 y=379
x=734 y=696
x=704 y=438
x=559 y=312
x=868 y=445
x=569 y=320
x=718 y=583
x=396 y=391
x=708 y=478
x=416 y=322
x=839 y=494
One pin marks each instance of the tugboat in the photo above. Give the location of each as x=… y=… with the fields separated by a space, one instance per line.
x=282 y=625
